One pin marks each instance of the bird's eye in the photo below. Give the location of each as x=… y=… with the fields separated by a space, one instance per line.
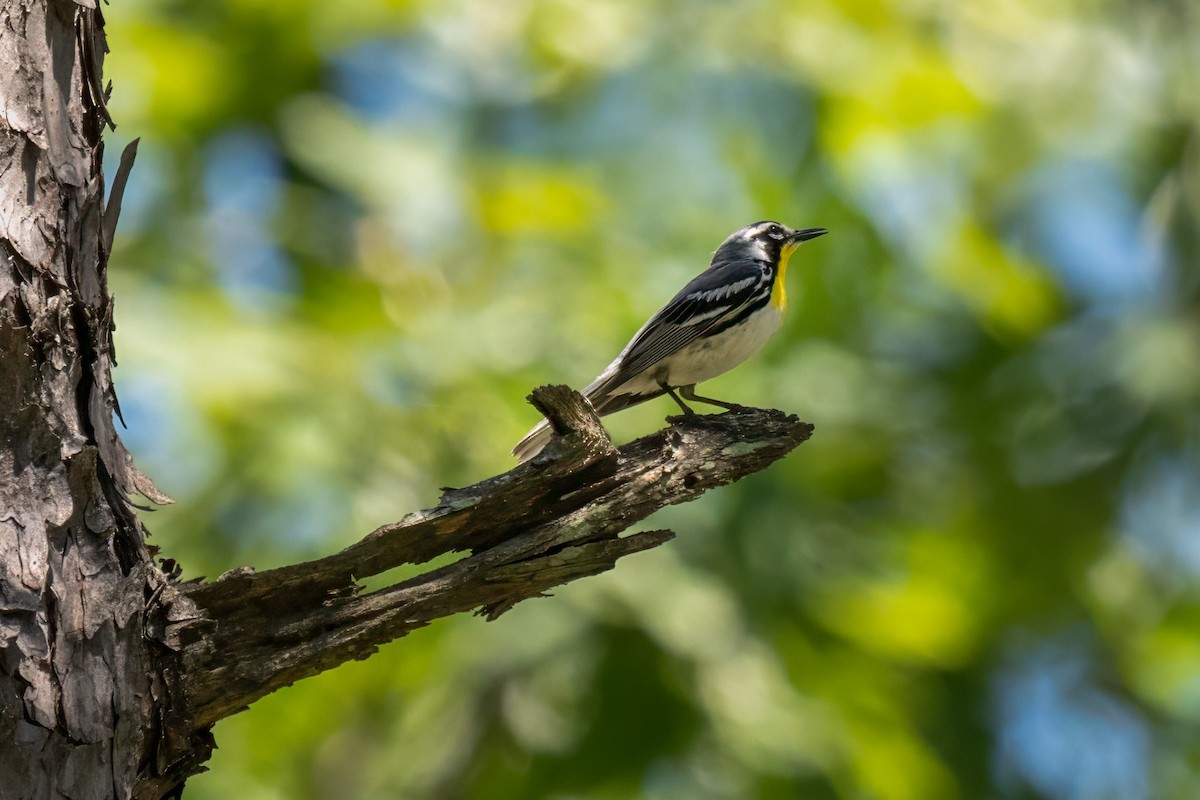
x=775 y=232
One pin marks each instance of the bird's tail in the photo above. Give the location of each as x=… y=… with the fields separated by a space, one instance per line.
x=534 y=441
x=541 y=434
x=606 y=395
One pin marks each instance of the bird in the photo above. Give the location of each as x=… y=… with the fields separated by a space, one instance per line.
x=717 y=321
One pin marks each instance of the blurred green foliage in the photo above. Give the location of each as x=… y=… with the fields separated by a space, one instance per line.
x=359 y=232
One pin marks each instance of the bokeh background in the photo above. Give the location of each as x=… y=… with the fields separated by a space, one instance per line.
x=359 y=232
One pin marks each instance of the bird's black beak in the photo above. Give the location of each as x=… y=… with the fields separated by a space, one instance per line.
x=806 y=234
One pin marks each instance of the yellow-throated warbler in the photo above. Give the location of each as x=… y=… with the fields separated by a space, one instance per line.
x=724 y=316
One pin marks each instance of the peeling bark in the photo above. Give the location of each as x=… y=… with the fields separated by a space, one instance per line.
x=83 y=692
x=111 y=672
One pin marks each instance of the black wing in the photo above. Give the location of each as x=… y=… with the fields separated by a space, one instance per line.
x=712 y=299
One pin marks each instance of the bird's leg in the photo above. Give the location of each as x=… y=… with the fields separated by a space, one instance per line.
x=687 y=412
x=689 y=393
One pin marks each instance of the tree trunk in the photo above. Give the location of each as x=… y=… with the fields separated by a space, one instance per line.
x=85 y=695
x=111 y=672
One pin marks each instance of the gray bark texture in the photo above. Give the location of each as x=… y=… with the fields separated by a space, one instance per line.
x=112 y=672
x=86 y=695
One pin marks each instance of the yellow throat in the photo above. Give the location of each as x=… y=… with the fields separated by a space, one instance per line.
x=779 y=290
